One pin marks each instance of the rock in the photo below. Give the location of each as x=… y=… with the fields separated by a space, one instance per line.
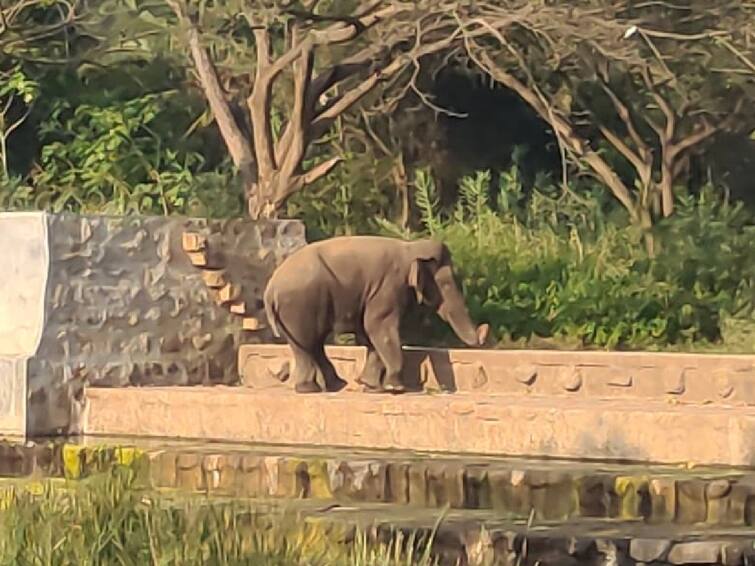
x=732 y=554
x=648 y=549
x=695 y=553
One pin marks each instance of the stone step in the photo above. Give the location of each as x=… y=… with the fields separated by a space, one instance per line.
x=481 y=538
x=476 y=537
x=484 y=538
x=588 y=429
x=515 y=489
x=681 y=378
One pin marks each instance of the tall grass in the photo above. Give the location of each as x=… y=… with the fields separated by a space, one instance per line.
x=107 y=519
x=553 y=265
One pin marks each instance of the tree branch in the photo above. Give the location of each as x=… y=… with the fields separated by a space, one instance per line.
x=259 y=103
x=297 y=127
x=561 y=126
x=238 y=146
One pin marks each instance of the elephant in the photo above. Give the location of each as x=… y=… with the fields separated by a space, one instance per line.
x=361 y=285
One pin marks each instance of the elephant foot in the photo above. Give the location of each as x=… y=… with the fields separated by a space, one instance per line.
x=394 y=385
x=368 y=383
x=372 y=390
x=336 y=385
x=369 y=386
x=308 y=387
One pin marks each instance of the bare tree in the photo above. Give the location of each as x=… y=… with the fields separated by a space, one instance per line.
x=331 y=59
x=653 y=81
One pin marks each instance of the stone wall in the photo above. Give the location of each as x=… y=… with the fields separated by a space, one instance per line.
x=719 y=379
x=117 y=302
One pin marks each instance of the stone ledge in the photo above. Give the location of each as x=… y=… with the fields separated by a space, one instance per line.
x=551 y=491
x=685 y=378
x=590 y=429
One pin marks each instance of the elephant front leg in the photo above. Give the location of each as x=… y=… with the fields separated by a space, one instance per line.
x=383 y=334
x=374 y=370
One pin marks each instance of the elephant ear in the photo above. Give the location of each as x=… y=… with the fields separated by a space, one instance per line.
x=424 y=252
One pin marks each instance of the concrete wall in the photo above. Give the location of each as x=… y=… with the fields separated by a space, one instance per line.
x=116 y=301
x=25 y=259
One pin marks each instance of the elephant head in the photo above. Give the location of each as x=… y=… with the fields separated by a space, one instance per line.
x=432 y=279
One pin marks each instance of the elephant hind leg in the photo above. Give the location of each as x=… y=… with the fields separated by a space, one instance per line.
x=305 y=371
x=332 y=381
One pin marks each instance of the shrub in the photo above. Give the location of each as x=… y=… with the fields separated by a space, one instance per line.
x=562 y=267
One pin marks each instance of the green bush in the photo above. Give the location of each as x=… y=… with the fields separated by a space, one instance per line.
x=556 y=266
x=114 y=158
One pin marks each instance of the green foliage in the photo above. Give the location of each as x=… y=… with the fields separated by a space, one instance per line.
x=17 y=93
x=345 y=202
x=109 y=520
x=112 y=159
x=552 y=266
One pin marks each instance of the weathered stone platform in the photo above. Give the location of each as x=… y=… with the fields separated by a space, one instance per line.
x=600 y=429
x=679 y=378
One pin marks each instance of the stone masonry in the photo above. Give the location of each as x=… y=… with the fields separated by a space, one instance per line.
x=117 y=301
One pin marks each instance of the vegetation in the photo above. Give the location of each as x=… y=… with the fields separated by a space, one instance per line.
x=624 y=220
x=552 y=266
x=108 y=519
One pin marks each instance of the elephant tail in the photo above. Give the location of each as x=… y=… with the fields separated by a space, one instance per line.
x=271 y=311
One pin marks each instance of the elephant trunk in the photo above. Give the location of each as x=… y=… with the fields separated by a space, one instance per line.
x=454 y=311
x=465 y=329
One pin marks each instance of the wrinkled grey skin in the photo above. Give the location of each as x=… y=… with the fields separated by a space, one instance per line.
x=361 y=284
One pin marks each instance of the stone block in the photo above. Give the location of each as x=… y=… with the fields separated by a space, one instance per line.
x=397 y=480
x=634 y=497
x=509 y=491
x=360 y=480
x=238 y=307
x=229 y=292
x=189 y=474
x=691 y=507
x=727 y=507
x=252 y=479
x=292 y=477
x=695 y=553
x=193 y=242
x=593 y=496
x=212 y=465
x=417 y=475
x=445 y=485
x=553 y=496
x=252 y=323
x=476 y=488
x=162 y=467
x=663 y=499
x=648 y=550
x=214 y=279
x=750 y=510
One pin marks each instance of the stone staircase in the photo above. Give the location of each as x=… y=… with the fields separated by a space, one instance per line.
x=225 y=289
